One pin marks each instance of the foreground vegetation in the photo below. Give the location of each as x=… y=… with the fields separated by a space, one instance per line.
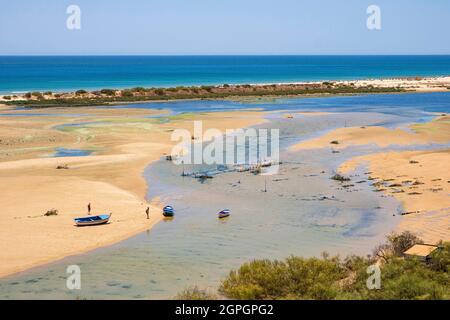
x=108 y=96
x=335 y=278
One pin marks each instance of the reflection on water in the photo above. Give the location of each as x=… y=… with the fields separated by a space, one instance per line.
x=63 y=152
x=299 y=211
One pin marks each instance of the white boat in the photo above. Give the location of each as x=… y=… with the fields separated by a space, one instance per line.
x=92 y=220
x=224 y=213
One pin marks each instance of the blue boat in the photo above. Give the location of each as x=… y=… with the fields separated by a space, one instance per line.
x=168 y=211
x=92 y=220
x=224 y=213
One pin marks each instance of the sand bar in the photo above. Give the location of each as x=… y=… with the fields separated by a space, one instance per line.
x=124 y=143
x=420 y=180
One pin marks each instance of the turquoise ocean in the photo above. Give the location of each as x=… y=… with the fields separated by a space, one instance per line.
x=60 y=73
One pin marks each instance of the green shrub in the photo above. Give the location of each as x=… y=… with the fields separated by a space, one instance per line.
x=160 y=92
x=37 y=95
x=440 y=259
x=340 y=178
x=207 y=88
x=108 y=92
x=332 y=278
x=52 y=212
x=127 y=93
x=294 y=278
x=195 y=293
x=138 y=89
x=80 y=92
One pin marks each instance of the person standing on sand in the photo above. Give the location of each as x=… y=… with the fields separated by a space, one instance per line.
x=89 y=208
x=147 y=211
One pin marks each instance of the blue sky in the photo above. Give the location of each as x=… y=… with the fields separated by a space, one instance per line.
x=224 y=27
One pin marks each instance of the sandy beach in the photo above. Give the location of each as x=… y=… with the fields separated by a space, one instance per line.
x=418 y=179
x=436 y=131
x=123 y=141
x=417 y=84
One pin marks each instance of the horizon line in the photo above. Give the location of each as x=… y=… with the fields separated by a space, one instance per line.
x=222 y=55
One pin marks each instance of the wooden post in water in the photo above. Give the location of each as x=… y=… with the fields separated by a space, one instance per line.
x=183 y=174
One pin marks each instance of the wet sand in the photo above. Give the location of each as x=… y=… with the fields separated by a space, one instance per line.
x=418 y=179
x=437 y=131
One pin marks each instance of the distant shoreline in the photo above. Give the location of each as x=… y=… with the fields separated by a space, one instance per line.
x=226 y=91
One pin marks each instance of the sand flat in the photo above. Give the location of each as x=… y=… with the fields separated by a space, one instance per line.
x=420 y=181
x=111 y=180
x=436 y=131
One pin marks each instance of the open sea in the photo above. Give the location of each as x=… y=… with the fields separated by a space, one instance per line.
x=61 y=73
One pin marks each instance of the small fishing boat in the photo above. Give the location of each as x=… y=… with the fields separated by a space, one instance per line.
x=224 y=213
x=168 y=211
x=266 y=163
x=92 y=220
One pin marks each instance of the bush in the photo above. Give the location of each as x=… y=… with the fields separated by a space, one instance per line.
x=80 y=92
x=410 y=279
x=7 y=97
x=195 y=294
x=108 y=92
x=160 y=92
x=138 y=89
x=340 y=178
x=294 y=278
x=206 y=88
x=440 y=259
x=52 y=212
x=127 y=93
x=396 y=244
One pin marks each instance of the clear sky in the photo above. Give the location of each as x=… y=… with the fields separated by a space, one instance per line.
x=156 y=27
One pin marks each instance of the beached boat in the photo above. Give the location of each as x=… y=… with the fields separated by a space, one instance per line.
x=92 y=220
x=224 y=213
x=168 y=211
